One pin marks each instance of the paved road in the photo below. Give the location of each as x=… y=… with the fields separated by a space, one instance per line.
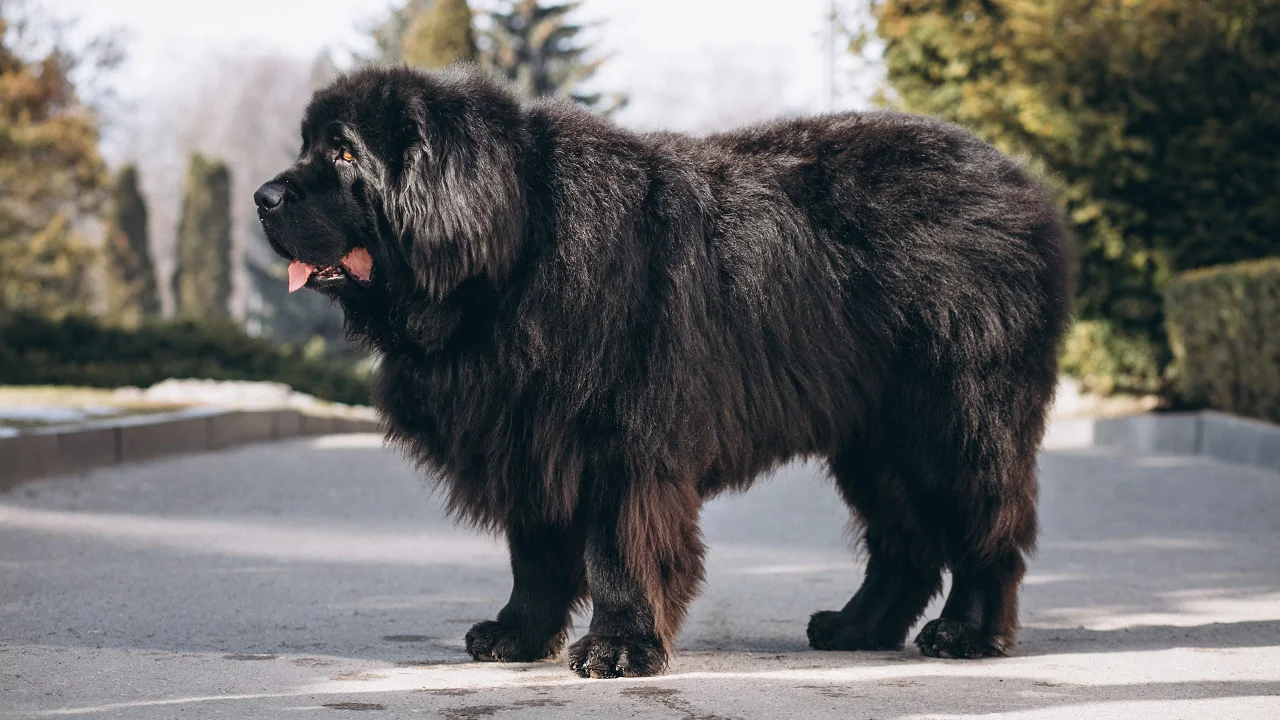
x=317 y=577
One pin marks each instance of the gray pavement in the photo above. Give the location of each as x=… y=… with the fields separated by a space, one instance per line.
x=314 y=577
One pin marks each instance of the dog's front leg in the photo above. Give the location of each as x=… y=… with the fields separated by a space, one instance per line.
x=644 y=562
x=548 y=582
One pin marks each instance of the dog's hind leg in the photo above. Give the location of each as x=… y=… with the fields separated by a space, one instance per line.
x=549 y=583
x=986 y=548
x=644 y=558
x=990 y=494
x=980 y=618
x=904 y=563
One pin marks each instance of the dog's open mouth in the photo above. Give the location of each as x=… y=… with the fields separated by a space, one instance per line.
x=357 y=264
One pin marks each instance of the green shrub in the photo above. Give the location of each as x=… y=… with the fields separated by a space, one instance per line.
x=35 y=350
x=1107 y=362
x=1224 y=327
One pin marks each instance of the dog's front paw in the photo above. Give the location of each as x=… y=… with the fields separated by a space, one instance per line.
x=606 y=656
x=831 y=630
x=491 y=641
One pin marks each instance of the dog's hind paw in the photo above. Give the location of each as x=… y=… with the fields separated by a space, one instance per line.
x=946 y=638
x=603 y=656
x=491 y=641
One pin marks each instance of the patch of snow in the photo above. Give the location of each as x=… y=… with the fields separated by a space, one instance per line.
x=230 y=394
x=47 y=414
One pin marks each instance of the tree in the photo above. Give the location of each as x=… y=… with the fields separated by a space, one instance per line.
x=535 y=46
x=440 y=36
x=1158 y=120
x=51 y=175
x=131 y=276
x=202 y=279
x=530 y=43
x=389 y=35
x=241 y=108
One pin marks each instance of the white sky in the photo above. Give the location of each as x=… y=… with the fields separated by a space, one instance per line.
x=686 y=64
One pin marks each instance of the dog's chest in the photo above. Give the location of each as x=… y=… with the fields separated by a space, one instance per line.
x=454 y=409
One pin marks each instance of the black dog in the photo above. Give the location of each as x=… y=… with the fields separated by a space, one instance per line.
x=587 y=331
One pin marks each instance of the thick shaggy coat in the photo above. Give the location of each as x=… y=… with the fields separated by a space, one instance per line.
x=585 y=332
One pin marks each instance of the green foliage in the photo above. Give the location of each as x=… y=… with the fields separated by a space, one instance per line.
x=202 y=279
x=1224 y=328
x=1106 y=362
x=51 y=176
x=440 y=36
x=131 y=278
x=1159 y=120
x=35 y=350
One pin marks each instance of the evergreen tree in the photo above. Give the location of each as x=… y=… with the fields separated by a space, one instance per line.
x=534 y=45
x=1159 y=121
x=131 y=279
x=202 y=278
x=51 y=176
x=530 y=43
x=390 y=34
x=440 y=36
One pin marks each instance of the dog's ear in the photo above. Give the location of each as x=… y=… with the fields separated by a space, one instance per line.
x=457 y=206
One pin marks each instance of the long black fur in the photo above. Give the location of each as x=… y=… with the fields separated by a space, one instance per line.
x=586 y=331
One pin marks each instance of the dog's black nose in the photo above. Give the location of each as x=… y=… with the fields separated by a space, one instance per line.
x=269 y=196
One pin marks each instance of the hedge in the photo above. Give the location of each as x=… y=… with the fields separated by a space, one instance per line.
x=1107 y=362
x=1224 y=328
x=35 y=350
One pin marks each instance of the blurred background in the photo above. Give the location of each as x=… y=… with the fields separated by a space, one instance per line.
x=133 y=133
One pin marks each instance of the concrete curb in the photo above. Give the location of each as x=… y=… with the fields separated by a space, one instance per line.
x=1228 y=438
x=101 y=443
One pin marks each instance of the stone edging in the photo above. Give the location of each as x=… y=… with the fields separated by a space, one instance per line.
x=100 y=443
x=1222 y=437
x=69 y=449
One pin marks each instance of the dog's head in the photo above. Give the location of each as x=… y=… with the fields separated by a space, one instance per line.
x=405 y=178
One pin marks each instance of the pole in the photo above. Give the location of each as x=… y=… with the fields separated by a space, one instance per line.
x=829 y=61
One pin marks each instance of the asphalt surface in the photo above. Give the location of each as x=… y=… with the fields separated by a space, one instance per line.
x=318 y=577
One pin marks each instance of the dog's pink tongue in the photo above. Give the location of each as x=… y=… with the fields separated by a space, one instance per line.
x=360 y=263
x=299 y=273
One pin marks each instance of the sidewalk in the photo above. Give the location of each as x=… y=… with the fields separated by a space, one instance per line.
x=314 y=576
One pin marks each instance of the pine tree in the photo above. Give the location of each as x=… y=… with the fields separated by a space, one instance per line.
x=202 y=278
x=535 y=46
x=131 y=279
x=440 y=36
x=51 y=176
x=530 y=43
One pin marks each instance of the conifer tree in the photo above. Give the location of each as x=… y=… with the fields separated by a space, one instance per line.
x=440 y=36
x=389 y=35
x=131 y=280
x=202 y=278
x=533 y=44
x=536 y=46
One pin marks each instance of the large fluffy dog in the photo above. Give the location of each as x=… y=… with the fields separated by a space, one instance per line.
x=586 y=332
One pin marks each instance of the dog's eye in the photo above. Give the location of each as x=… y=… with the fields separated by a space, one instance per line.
x=345 y=155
